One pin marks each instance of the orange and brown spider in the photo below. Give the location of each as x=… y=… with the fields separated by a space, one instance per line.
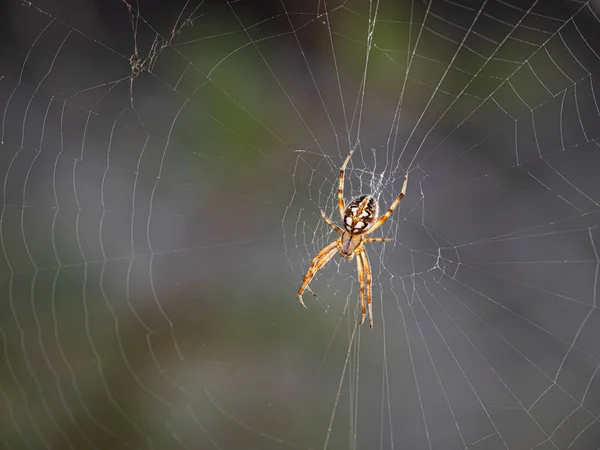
x=360 y=219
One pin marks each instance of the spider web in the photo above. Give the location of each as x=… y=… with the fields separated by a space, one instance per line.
x=163 y=167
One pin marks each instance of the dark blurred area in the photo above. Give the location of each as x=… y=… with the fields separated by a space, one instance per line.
x=163 y=165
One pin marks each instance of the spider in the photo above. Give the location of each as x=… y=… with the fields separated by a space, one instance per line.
x=360 y=219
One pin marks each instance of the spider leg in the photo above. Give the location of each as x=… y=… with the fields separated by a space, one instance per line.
x=361 y=279
x=377 y=239
x=341 y=186
x=318 y=261
x=367 y=267
x=391 y=209
x=331 y=224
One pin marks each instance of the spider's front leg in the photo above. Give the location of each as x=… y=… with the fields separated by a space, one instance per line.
x=362 y=255
x=361 y=280
x=317 y=263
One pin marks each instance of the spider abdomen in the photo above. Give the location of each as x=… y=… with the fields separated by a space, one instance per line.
x=360 y=214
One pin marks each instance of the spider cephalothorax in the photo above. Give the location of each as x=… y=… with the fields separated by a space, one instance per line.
x=360 y=219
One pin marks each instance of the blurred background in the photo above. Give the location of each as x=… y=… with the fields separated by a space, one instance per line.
x=162 y=169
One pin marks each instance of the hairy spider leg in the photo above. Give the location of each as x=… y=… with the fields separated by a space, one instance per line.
x=367 y=266
x=331 y=224
x=391 y=209
x=379 y=239
x=361 y=279
x=318 y=261
x=341 y=186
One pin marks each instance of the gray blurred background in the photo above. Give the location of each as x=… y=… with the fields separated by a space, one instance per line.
x=162 y=168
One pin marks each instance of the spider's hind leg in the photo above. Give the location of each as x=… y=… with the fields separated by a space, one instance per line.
x=341 y=182
x=391 y=209
x=331 y=224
